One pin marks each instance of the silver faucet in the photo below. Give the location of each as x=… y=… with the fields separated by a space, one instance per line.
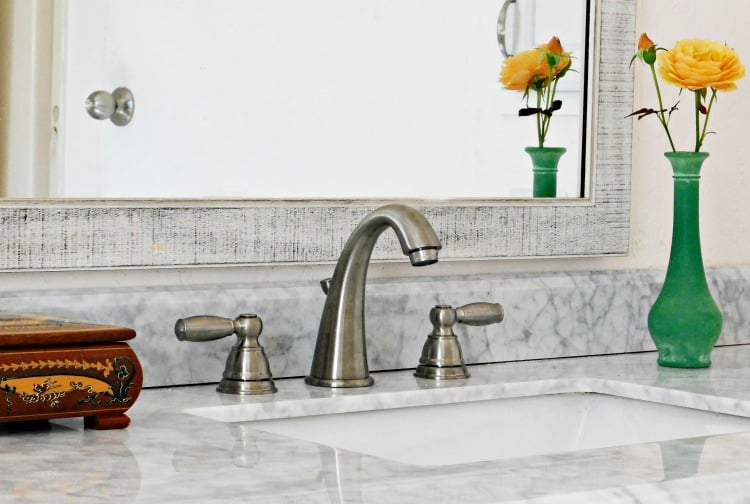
x=340 y=358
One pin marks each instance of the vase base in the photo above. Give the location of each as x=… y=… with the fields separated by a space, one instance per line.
x=685 y=363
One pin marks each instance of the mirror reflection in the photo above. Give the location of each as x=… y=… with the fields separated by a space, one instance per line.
x=294 y=99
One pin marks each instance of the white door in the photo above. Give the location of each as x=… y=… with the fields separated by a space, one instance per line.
x=298 y=99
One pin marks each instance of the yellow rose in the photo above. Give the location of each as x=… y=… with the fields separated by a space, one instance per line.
x=555 y=47
x=698 y=64
x=522 y=69
x=527 y=67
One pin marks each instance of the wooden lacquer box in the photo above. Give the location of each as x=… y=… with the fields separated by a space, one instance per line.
x=55 y=368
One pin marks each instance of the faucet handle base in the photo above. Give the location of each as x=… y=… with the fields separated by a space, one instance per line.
x=246 y=387
x=441 y=355
x=442 y=373
x=339 y=383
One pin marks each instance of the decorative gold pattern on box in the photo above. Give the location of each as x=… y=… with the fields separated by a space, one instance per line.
x=110 y=386
x=52 y=389
x=104 y=367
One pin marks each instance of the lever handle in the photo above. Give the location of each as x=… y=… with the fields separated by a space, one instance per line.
x=480 y=314
x=203 y=328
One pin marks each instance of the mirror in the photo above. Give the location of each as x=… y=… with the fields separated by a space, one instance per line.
x=292 y=100
x=54 y=234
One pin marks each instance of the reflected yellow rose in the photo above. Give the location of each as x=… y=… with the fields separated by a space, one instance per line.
x=527 y=67
x=555 y=47
x=698 y=64
x=522 y=69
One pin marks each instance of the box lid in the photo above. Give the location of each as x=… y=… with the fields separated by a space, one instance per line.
x=23 y=330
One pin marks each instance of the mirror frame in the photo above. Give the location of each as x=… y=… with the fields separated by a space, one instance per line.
x=90 y=234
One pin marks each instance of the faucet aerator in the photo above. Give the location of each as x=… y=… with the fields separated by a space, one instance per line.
x=423 y=257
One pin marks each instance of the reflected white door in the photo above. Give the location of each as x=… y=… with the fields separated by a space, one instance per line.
x=298 y=99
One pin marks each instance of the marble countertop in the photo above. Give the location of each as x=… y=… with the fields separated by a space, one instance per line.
x=172 y=453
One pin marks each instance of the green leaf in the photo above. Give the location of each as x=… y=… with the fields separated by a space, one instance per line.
x=564 y=71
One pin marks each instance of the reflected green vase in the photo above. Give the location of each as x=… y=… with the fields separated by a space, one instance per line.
x=544 y=161
x=685 y=321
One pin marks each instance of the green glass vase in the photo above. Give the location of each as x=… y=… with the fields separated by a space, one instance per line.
x=544 y=161
x=685 y=321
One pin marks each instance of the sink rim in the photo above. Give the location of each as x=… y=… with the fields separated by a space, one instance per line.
x=295 y=399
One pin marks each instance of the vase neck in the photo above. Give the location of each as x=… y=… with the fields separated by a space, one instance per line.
x=686 y=247
x=545 y=158
x=686 y=164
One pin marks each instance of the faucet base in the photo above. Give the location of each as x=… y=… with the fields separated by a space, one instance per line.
x=341 y=383
x=442 y=373
x=246 y=387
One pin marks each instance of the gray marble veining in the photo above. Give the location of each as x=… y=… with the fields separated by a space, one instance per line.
x=546 y=316
x=168 y=455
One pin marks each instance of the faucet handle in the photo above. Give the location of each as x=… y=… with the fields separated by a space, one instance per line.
x=203 y=328
x=247 y=370
x=480 y=314
x=441 y=355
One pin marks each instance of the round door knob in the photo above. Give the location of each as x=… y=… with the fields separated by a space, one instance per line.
x=117 y=106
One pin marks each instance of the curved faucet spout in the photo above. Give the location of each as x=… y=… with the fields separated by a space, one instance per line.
x=340 y=358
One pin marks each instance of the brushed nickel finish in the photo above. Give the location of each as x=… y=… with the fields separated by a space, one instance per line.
x=442 y=358
x=118 y=106
x=340 y=358
x=501 y=30
x=247 y=371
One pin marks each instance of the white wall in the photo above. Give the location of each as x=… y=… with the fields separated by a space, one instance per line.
x=725 y=191
x=725 y=182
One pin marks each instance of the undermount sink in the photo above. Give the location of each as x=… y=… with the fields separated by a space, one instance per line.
x=460 y=433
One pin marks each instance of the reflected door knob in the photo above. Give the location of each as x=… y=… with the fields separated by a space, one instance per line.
x=117 y=106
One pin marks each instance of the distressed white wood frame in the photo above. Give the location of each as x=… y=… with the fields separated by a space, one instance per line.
x=58 y=235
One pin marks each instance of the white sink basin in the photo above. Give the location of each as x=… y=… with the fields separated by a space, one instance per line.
x=503 y=428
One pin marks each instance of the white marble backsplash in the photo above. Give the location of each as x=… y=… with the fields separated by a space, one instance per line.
x=547 y=315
